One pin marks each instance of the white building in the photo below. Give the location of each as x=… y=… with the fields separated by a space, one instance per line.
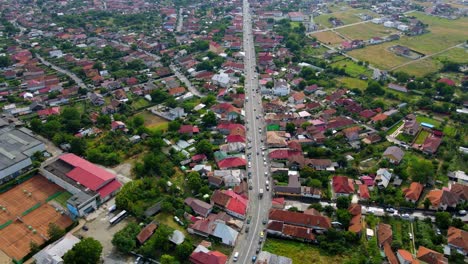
x=389 y=24
x=53 y=253
x=403 y=27
x=221 y=79
x=383 y=177
x=281 y=88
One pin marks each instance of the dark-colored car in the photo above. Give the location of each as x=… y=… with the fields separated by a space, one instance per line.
x=265 y=221
x=254 y=258
x=257 y=250
x=85 y=228
x=249 y=219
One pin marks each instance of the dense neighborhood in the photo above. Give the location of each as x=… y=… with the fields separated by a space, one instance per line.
x=127 y=132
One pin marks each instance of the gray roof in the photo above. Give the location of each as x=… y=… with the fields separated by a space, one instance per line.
x=16 y=145
x=177 y=237
x=267 y=257
x=395 y=152
x=226 y=233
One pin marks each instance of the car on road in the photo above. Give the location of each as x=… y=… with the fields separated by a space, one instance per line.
x=410 y=236
x=257 y=250
x=247 y=228
x=85 y=228
x=236 y=256
x=390 y=210
x=265 y=221
x=266 y=174
x=462 y=212
x=405 y=216
x=254 y=258
x=261 y=234
x=249 y=219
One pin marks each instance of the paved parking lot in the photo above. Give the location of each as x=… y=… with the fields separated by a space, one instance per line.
x=100 y=229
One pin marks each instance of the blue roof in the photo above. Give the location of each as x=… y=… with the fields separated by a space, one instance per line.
x=427 y=125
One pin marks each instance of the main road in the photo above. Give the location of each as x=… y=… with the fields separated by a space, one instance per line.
x=258 y=208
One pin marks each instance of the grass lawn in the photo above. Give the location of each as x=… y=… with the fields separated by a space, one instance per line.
x=458 y=54
x=422 y=67
x=352 y=68
x=425 y=119
x=450 y=131
x=421 y=137
x=168 y=219
x=347 y=16
x=62 y=198
x=349 y=82
x=404 y=137
x=140 y=103
x=394 y=127
x=299 y=252
x=366 y=31
x=308 y=51
x=328 y=37
x=294 y=24
x=379 y=55
x=154 y=122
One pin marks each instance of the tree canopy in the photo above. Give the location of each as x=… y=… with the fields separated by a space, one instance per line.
x=87 y=251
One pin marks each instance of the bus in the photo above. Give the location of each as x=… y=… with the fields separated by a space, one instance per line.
x=119 y=217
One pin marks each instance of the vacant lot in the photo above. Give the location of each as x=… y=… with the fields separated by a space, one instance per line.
x=349 y=82
x=458 y=54
x=352 y=68
x=365 y=31
x=299 y=252
x=379 y=55
x=328 y=37
x=154 y=122
x=422 y=67
x=347 y=16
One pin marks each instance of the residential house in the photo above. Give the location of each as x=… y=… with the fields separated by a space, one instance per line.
x=364 y=194
x=405 y=257
x=230 y=178
x=188 y=130
x=458 y=176
x=118 y=125
x=221 y=79
x=411 y=126
x=215 y=225
x=318 y=223
x=198 y=206
x=461 y=191
x=231 y=162
x=355 y=224
x=441 y=199
x=342 y=186
x=383 y=177
x=231 y=202
x=297 y=98
x=281 y=88
x=431 y=144
x=384 y=234
x=146 y=233
x=429 y=256
x=392 y=259
x=457 y=239
x=96 y=99
x=202 y=255
x=413 y=193
x=296 y=16
x=394 y=154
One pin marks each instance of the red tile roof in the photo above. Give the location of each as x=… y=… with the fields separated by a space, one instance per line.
x=457 y=238
x=186 y=129
x=342 y=184
x=430 y=256
x=284 y=153
x=211 y=257
x=232 y=162
x=146 y=233
x=447 y=81
x=49 y=111
x=364 y=191
x=414 y=191
x=392 y=259
x=300 y=219
x=235 y=138
x=384 y=234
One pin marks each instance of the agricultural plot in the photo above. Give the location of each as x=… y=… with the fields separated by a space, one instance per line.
x=352 y=68
x=421 y=67
x=349 y=82
x=366 y=31
x=348 y=16
x=421 y=137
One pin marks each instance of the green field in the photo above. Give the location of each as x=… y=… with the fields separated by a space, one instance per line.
x=352 y=68
x=328 y=37
x=379 y=55
x=365 y=31
x=422 y=67
x=63 y=198
x=154 y=122
x=450 y=131
x=428 y=120
x=421 y=137
x=348 y=16
x=458 y=54
x=443 y=33
x=299 y=252
x=351 y=83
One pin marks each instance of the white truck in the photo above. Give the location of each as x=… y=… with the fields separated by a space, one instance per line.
x=260 y=193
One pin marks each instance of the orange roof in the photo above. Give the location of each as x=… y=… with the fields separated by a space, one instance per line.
x=406 y=255
x=379 y=117
x=458 y=238
x=430 y=256
x=390 y=255
x=414 y=191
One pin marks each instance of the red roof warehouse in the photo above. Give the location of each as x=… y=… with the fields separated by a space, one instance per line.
x=90 y=184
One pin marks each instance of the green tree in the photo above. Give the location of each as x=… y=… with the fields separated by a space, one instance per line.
x=290 y=128
x=421 y=170
x=443 y=220
x=103 y=120
x=194 y=181
x=87 y=251
x=125 y=239
x=205 y=147
x=184 y=250
x=427 y=203
x=168 y=259
x=209 y=119
x=55 y=232
x=78 y=146
x=342 y=202
x=5 y=61
x=34 y=247
x=344 y=217
x=374 y=88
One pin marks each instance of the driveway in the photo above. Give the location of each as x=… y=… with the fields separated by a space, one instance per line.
x=99 y=229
